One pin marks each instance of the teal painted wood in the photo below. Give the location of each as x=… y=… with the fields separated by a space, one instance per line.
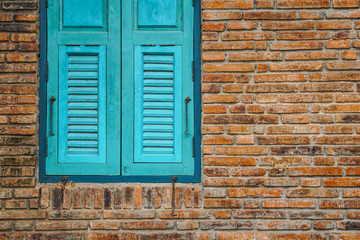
x=138 y=40
x=157 y=13
x=82 y=104
x=83 y=13
x=66 y=160
x=157 y=105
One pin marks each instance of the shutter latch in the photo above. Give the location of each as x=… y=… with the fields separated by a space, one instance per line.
x=173 y=179
x=47 y=71
x=187 y=100
x=193 y=71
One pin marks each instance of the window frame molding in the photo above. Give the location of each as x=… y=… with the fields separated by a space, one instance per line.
x=196 y=178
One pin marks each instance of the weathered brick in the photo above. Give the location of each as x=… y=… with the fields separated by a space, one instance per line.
x=227 y=4
x=221 y=15
x=110 y=236
x=303 y=4
x=286 y=25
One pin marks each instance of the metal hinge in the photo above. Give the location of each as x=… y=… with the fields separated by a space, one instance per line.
x=193 y=2
x=46 y=146
x=47 y=3
x=193 y=146
x=47 y=71
x=193 y=71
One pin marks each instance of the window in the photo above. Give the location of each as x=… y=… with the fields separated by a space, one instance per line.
x=119 y=90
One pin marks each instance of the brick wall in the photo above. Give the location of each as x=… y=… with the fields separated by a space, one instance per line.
x=280 y=130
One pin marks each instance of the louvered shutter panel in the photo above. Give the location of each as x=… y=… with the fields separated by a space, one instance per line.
x=157 y=64
x=82 y=105
x=157 y=104
x=83 y=56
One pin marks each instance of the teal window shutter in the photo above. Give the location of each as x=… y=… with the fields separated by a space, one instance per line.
x=119 y=76
x=82 y=69
x=157 y=69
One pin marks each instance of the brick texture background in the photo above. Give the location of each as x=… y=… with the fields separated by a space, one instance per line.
x=281 y=142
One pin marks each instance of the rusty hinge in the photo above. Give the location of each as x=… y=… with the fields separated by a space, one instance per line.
x=193 y=2
x=46 y=3
x=193 y=146
x=47 y=71
x=46 y=146
x=193 y=71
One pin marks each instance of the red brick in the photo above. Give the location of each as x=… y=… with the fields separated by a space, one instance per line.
x=233 y=88
x=311 y=55
x=348 y=13
x=264 y=3
x=210 y=36
x=287 y=203
x=218 y=140
x=303 y=4
x=326 y=161
x=260 y=56
x=270 y=15
x=243 y=235
x=221 y=15
x=243 y=25
x=287 y=25
x=228 y=67
x=215 y=27
x=302 y=236
x=227 y=4
x=213 y=56
x=333 y=25
x=346 y=3
x=295 y=66
x=241 y=150
x=349 y=55
x=220 y=98
x=338 y=44
x=271 y=88
x=110 y=236
x=255 y=193
x=311 y=14
x=228 y=45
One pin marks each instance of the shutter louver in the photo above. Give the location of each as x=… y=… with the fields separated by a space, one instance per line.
x=82 y=105
x=157 y=102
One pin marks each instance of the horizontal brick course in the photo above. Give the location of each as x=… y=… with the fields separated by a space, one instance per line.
x=280 y=109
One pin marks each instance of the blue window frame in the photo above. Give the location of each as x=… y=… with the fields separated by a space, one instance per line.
x=95 y=138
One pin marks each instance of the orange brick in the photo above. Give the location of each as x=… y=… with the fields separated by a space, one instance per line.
x=270 y=15
x=303 y=35
x=214 y=108
x=311 y=55
x=303 y=4
x=296 y=66
x=229 y=67
x=346 y=3
x=243 y=25
x=286 y=25
x=221 y=15
x=228 y=45
x=214 y=27
x=300 y=45
x=259 y=56
x=338 y=44
x=218 y=140
x=210 y=88
x=333 y=25
x=213 y=56
x=220 y=98
x=227 y=4
x=245 y=140
x=350 y=55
